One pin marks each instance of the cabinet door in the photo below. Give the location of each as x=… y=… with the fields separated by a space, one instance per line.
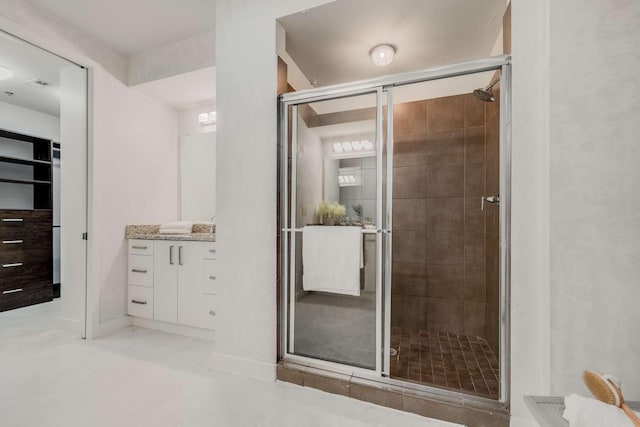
x=165 y=283
x=190 y=283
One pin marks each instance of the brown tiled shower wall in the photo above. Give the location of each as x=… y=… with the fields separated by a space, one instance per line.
x=439 y=255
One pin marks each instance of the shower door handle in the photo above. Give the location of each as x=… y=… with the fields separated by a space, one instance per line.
x=490 y=199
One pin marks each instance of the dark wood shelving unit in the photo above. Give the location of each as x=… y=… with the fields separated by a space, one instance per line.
x=24 y=181
x=19 y=161
x=26 y=235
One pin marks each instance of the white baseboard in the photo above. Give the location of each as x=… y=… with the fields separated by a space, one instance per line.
x=172 y=328
x=244 y=367
x=522 y=422
x=105 y=328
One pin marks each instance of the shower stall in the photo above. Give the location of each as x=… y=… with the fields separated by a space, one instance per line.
x=394 y=228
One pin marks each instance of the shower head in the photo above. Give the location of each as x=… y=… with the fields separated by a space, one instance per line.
x=486 y=94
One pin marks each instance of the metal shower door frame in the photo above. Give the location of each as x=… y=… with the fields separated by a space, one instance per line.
x=380 y=86
x=290 y=228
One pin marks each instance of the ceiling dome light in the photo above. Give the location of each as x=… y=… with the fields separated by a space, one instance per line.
x=5 y=73
x=382 y=54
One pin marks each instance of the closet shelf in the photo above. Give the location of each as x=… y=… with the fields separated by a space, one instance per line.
x=17 y=160
x=25 y=181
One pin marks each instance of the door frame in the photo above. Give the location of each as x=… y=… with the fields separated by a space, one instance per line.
x=378 y=85
x=88 y=320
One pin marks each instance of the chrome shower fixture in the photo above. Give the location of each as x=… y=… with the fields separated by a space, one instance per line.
x=486 y=94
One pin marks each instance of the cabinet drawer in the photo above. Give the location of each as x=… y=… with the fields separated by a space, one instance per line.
x=209 y=278
x=19 y=266
x=24 y=283
x=18 y=221
x=209 y=250
x=22 y=297
x=140 y=247
x=140 y=302
x=209 y=315
x=140 y=270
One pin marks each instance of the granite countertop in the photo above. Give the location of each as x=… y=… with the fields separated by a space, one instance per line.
x=200 y=233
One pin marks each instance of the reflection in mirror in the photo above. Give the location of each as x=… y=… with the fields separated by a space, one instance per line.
x=198 y=177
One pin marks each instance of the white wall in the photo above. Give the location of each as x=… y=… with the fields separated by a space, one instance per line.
x=175 y=58
x=530 y=206
x=188 y=120
x=52 y=32
x=135 y=148
x=246 y=98
x=595 y=197
x=30 y=122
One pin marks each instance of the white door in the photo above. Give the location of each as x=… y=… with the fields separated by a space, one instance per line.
x=165 y=284
x=190 y=287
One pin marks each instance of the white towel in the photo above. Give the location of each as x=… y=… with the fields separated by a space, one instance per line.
x=175 y=231
x=331 y=259
x=176 y=227
x=586 y=412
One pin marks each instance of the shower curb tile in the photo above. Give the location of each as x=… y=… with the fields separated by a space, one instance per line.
x=376 y=393
x=327 y=381
x=290 y=373
x=433 y=409
x=479 y=418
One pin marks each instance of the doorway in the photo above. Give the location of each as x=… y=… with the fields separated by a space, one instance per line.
x=417 y=165
x=43 y=185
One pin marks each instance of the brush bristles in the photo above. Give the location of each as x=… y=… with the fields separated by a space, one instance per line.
x=599 y=387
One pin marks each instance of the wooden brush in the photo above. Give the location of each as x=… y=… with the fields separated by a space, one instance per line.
x=605 y=390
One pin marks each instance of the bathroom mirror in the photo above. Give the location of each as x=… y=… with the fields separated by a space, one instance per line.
x=198 y=177
x=192 y=96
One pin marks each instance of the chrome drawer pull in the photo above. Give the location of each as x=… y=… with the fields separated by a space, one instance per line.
x=138 y=247
x=212 y=251
x=135 y=301
x=12 y=242
x=12 y=219
x=12 y=291
x=212 y=313
x=135 y=270
x=212 y=277
x=15 y=264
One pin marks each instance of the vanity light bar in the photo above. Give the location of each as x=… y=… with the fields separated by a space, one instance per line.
x=207 y=118
x=352 y=146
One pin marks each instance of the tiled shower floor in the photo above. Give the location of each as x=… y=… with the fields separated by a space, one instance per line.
x=457 y=362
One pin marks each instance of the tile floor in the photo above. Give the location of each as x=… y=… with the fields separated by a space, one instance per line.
x=143 y=378
x=456 y=362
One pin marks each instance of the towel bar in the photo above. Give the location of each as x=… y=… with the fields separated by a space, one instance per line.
x=364 y=230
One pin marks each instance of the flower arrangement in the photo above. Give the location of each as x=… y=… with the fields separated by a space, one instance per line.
x=330 y=212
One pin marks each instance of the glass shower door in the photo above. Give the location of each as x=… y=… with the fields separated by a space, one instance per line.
x=333 y=233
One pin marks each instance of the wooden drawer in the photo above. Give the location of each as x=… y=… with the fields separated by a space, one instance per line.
x=22 y=297
x=12 y=267
x=209 y=250
x=24 y=282
x=209 y=278
x=21 y=252
x=140 y=247
x=21 y=221
x=140 y=270
x=140 y=302
x=209 y=315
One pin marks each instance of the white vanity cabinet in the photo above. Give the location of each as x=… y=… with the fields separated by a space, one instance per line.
x=176 y=286
x=140 y=279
